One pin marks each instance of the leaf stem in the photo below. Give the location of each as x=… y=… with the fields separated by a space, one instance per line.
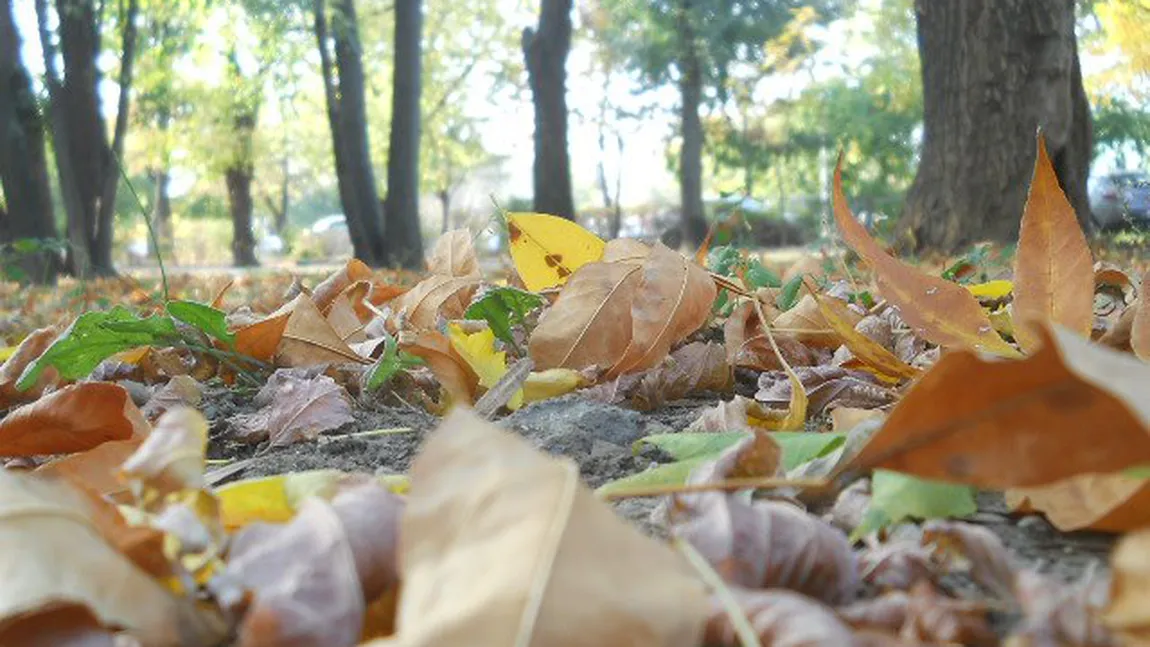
x=739 y=620
x=728 y=485
x=147 y=223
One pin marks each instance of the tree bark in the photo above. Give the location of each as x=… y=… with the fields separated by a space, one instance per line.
x=401 y=211
x=162 y=213
x=993 y=72
x=23 y=163
x=545 y=51
x=102 y=239
x=238 y=177
x=347 y=114
x=694 y=223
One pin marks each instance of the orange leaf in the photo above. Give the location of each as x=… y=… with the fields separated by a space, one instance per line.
x=1053 y=270
x=97 y=469
x=73 y=419
x=261 y=339
x=453 y=372
x=27 y=352
x=1071 y=408
x=354 y=271
x=939 y=311
x=1103 y=502
x=308 y=339
x=1140 y=331
x=836 y=314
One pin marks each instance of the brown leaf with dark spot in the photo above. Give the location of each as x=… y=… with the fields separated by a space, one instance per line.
x=293 y=409
x=74 y=419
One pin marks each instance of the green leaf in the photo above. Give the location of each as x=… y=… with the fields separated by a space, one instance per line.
x=761 y=277
x=789 y=295
x=94 y=337
x=390 y=362
x=895 y=497
x=203 y=317
x=500 y=306
x=690 y=449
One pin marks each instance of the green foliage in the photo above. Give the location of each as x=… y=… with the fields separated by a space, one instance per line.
x=502 y=307
x=789 y=295
x=205 y=318
x=391 y=362
x=896 y=497
x=96 y=336
x=15 y=252
x=733 y=262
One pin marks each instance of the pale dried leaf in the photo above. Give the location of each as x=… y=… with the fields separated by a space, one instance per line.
x=747 y=346
x=172 y=457
x=454 y=255
x=434 y=297
x=826 y=387
x=780 y=619
x=295 y=408
x=984 y=553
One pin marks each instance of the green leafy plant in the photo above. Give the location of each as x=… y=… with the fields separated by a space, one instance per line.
x=392 y=361
x=896 y=497
x=502 y=307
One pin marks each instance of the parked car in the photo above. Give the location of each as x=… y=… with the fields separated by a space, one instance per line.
x=331 y=237
x=1120 y=198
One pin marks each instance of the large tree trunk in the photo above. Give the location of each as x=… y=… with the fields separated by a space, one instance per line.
x=545 y=51
x=238 y=177
x=23 y=164
x=401 y=211
x=994 y=71
x=347 y=114
x=694 y=223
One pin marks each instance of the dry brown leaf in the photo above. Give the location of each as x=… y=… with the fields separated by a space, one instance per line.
x=1102 y=502
x=74 y=419
x=345 y=321
x=1056 y=613
x=60 y=555
x=836 y=314
x=897 y=564
x=626 y=250
x=172 y=457
x=97 y=469
x=454 y=374
x=325 y=293
x=748 y=347
x=673 y=299
x=989 y=564
x=850 y=506
x=780 y=619
x=736 y=414
x=590 y=324
x=1053 y=268
x=261 y=338
x=763 y=544
x=294 y=408
x=1128 y=611
x=433 y=297
x=181 y=390
x=936 y=309
x=454 y=255
x=1140 y=326
x=502 y=545
x=61 y=625
x=826 y=387
x=1119 y=335
x=924 y=615
x=309 y=340
x=806 y=323
x=1073 y=407
x=696 y=367
x=27 y=352
x=312 y=578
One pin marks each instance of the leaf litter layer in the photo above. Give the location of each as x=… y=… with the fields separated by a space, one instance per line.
x=397 y=459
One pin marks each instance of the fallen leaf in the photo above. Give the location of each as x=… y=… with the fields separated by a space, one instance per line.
x=434 y=297
x=342 y=555
x=181 y=390
x=454 y=374
x=345 y=321
x=897 y=564
x=547 y=249
x=325 y=293
x=938 y=310
x=979 y=547
x=780 y=619
x=27 y=352
x=293 y=409
x=692 y=368
x=846 y=418
x=309 y=340
x=454 y=255
x=1140 y=326
x=991 y=291
x=1001 y=424
x=261 y=338
x=837 y=316
x=590 y=324
x=552 y=383
x=502 y=545
x=74 y=419
x=59 y=554
x=274 y=499
x=673 y=299
x=748 y=347
x=1128 y=611
x=172 y=458
x=97 y=469
x=1057 y=613
x=1053 y=268
x=925 y=616
x=1100 y=502
x=825 y=387
x=806 y=323
x=478 y=350
x=896 y=497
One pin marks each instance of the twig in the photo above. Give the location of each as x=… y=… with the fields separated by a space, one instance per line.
x=739 y=620
x=728 y=485
x=505 y=389
x=371 y=433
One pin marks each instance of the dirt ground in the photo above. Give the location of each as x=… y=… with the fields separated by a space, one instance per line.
x=598 y=437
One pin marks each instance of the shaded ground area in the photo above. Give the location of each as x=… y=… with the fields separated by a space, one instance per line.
x=598 y=437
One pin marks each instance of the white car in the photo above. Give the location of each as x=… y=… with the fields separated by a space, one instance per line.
x=333 y=237
x=1120 y=198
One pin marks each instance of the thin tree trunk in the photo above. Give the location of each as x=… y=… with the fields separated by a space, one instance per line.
x=23 y=163
x=401 y=212
x=102 y=241
x=545 y=51
x=281 y=214
x=162 y=212
x=617 y=213
x=694 y=224
x=347 y=113
x=993 y=72
x=238 y=177
x=445 y=205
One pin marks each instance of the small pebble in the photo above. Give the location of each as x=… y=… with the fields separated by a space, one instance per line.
x=1033 y=523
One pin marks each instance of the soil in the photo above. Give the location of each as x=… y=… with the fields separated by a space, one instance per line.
x=599 y=438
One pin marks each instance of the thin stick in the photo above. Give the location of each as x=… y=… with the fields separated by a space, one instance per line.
x=147 y=222
x=728 y=485
x=371 y=433
x=739 y=620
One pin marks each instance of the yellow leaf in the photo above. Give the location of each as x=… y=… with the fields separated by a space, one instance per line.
x=552 y=383
x=548 y=249
x=6 y=352
x=478 y=350
x=870 y=352
x=991 y=290
x=275 y=499
x=1053 y=269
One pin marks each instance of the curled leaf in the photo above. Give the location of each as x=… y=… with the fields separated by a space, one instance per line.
x=172 y=457
x=74 y=419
